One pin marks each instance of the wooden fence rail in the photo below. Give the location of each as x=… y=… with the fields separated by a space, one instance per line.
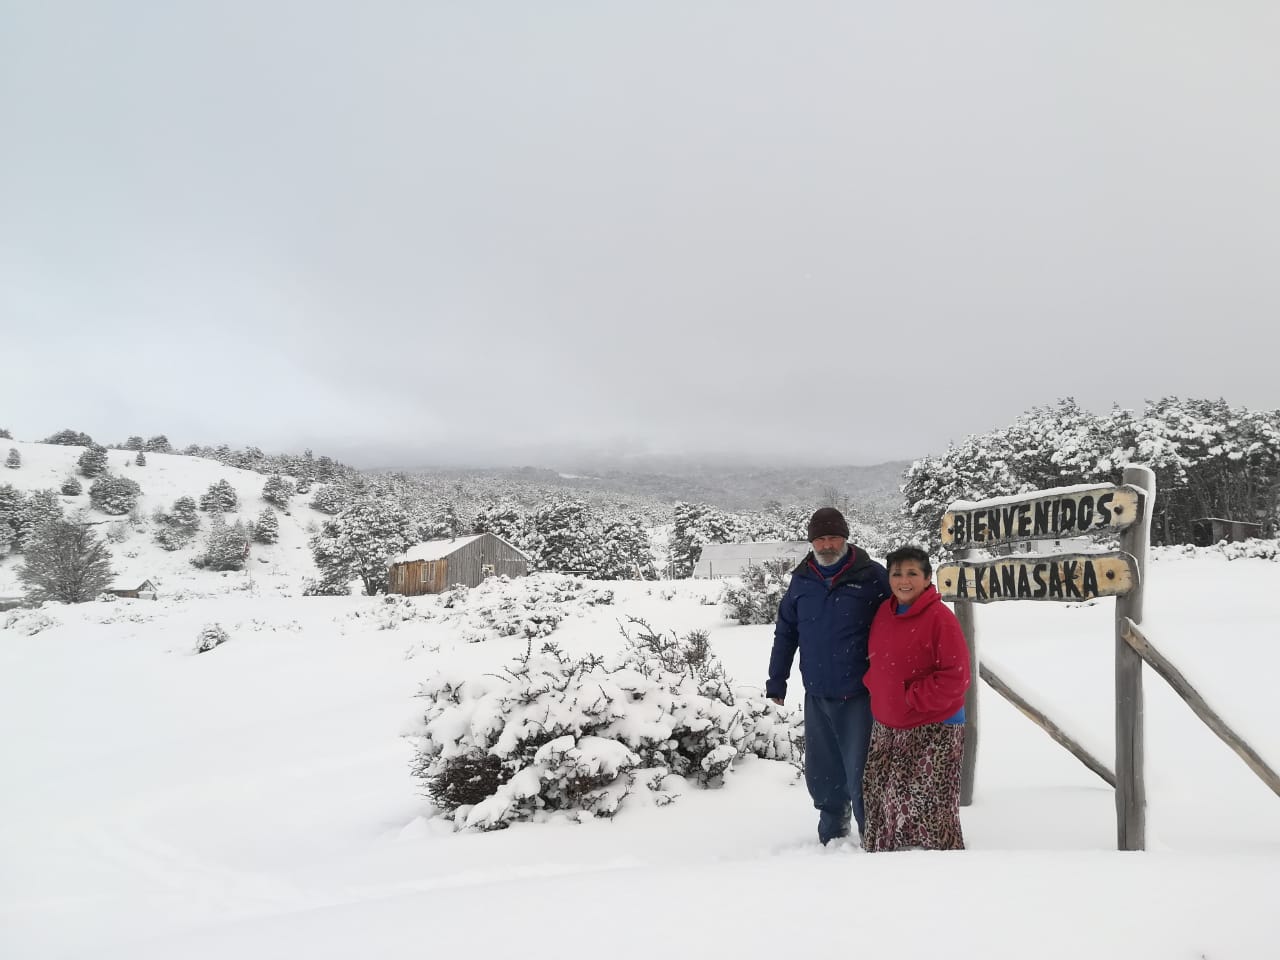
x=1161 y=665
x=1047 y=725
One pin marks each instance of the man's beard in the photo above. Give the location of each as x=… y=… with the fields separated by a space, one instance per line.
x=829 y=558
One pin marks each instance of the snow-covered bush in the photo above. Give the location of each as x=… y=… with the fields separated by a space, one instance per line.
x=754 y=597
x=1252 y=549
x=211 y=635
x=176 y=528
x=71 y=487
x=114 y=495
x=29 y=622
x=14 y=460
x=527 y=607
x=561 y=733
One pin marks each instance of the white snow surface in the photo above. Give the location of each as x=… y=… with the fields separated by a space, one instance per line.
x=255 y=801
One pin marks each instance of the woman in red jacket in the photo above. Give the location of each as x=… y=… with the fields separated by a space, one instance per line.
x=918 y=674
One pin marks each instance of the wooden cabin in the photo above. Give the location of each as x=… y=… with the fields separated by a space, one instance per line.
x=1210 y=530
x=732 y=559
x=144 y=591
x=436 y=565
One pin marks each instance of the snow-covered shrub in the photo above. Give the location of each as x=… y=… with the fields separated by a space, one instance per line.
x=1252 y=549
x=211 y=635
x=754 y=597
x=561 y=733
x=14 y=460
x=527 y=607
x=71 y=487
x=140 y=460
x=29 y=622
x=176 y=528
x=114 y=495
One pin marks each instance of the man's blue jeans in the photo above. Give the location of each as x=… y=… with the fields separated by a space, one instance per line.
x=836 y=736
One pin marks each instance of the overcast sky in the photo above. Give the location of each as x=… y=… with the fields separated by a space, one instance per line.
x=412 y=232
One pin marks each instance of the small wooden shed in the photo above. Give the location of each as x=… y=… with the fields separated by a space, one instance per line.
x=732 y=559
x=144 y=591
x=1210 y=530
x=436 y=565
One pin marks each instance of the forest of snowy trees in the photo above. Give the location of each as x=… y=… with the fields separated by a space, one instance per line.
x=1210 y=460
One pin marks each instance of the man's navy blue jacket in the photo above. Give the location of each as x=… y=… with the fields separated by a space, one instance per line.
x=829 y=621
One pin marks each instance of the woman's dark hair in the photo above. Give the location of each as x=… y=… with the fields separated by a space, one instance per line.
x=909 y=553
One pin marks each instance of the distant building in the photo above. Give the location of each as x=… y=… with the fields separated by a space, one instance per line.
x=436 y=565
x=732 y=559
x=144 y=591
x=1210 y=530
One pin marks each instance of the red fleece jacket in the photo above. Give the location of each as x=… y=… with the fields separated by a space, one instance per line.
x=919 y=662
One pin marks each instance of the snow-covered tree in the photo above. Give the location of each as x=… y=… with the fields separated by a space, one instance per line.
x=225 y=547
x=359 y=543
x=158 y=444
x=5 y=433
x=697 y=524
x=65 y=561
x=567 y=538
x=267 y=529
x=176 y=528
x=114 y=495
x=71 y=486
x=140 y=460
x=330 y=498
x=133 y=443
x=70 y=438
x=220 y=498
x=93 y=462
x=35 y=509
x=277 y=490
x=626 y=549
x=14 y=460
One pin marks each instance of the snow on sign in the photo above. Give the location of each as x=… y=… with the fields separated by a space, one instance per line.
x=1050 y=515
x=1067 y=577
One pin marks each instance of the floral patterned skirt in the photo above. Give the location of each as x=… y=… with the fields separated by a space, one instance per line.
x=911 y=788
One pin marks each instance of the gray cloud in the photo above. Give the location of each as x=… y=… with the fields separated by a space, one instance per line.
x=433 y=231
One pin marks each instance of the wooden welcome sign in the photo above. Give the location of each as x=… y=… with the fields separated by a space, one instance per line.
x=1048 y=515
x=1065 y=513
x=1071 y=578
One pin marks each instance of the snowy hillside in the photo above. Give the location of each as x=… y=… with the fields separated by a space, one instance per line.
x=273 y=569
x=256 y=801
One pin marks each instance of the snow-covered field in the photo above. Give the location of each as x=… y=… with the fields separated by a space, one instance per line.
x=256 y=802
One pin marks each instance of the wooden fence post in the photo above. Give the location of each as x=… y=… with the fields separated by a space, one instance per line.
x=969 y=760
x=1131 y=791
